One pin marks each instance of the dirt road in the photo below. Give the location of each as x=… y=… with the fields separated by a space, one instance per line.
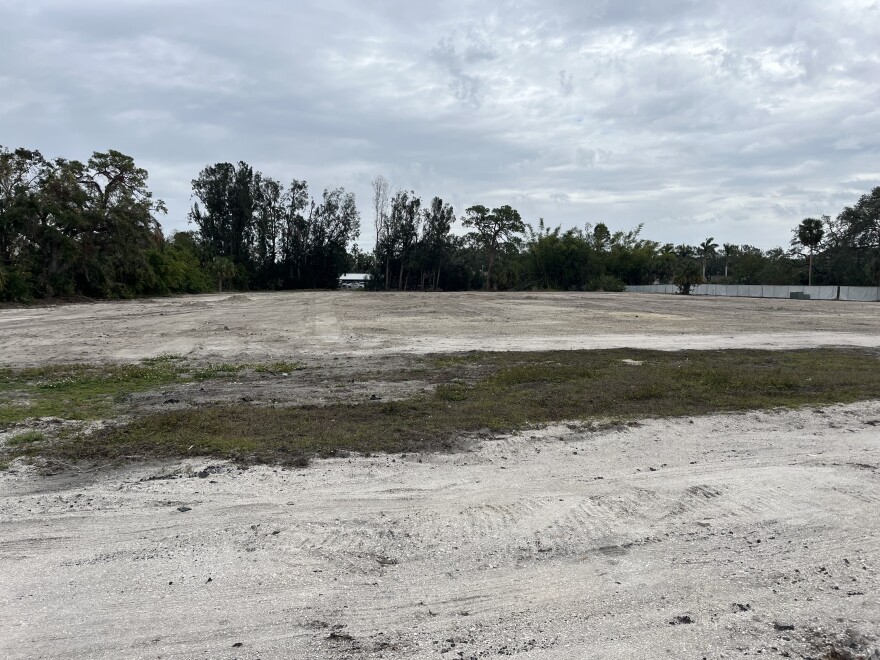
x=267 y=326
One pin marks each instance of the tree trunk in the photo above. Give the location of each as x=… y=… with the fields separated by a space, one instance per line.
x=488 y=284
x=387 y=273
x=810 y=271
x=400 y=278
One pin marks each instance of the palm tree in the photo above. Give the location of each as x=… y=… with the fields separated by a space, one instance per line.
x=707 y=249
x=730 y=249
x=809 y=234
x=685 y=251
x=666 y=258
x=223 y=269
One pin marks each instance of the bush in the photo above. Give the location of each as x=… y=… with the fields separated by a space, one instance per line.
x=607 y=283
x=687 y=276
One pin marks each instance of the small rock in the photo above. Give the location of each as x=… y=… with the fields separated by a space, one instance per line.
x=184 y=509
x=681 y=619
x=172 y=400
x=237 y=645
x=782 y=626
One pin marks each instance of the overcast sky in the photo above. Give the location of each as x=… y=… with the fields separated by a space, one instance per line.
x=732 y=119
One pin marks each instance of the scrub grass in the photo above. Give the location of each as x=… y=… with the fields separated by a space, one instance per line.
x=26 y=438
x=480 y=393
x=89 y=392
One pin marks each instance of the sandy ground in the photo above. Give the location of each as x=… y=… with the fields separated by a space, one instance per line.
x=555 y=544
x=715 y=537
x=267 y=326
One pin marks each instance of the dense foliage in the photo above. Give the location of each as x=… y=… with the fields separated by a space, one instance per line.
x=69 y=228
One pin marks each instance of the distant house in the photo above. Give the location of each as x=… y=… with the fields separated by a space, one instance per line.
x=353 y=280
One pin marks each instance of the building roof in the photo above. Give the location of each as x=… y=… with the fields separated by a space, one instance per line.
x=354 y=277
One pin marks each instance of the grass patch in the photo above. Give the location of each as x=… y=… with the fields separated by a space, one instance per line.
x=494 y=392
x=26 y=438
x=87 y=392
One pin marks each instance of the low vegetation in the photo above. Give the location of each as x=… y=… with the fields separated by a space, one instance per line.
x=89 y=392
x=475 y=393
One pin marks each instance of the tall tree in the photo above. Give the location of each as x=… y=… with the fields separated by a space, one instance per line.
x=435 y=239
x=381 y=191
x=492 y=230
x=332 y=224
x=706 y=250
x=268 y=221
x=601 y=237
x=809 y=233
x=729 y=250
x=294 y=232
x=403 y=231
x=860 y=228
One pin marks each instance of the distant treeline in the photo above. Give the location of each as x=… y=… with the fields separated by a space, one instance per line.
x=90 y=229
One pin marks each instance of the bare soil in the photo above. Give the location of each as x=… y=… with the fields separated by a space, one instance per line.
x=259 y=327
x=714 y=537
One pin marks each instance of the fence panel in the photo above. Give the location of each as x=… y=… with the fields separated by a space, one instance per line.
x=777 y=291
x=860 y=293
x=856 y=293
x=821 y=292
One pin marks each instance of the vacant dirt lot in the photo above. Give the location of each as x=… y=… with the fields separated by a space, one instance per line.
x=715 y=537
x=268 y=326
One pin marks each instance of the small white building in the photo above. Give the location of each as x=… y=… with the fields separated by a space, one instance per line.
x=353 y=280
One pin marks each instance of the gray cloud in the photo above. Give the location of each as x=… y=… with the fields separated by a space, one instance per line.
x=697 y=118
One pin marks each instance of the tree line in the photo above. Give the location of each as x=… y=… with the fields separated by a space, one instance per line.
x=69 y=228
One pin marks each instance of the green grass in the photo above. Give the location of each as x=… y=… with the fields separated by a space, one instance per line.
x=87 y=392
x=495 y=392
x=26 y=438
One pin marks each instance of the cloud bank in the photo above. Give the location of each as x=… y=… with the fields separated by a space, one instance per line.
x=726 y=119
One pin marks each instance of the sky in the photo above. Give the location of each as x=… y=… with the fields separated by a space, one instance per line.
x=698 y=118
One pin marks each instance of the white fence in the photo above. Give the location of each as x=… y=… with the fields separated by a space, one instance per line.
x=860 y=293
